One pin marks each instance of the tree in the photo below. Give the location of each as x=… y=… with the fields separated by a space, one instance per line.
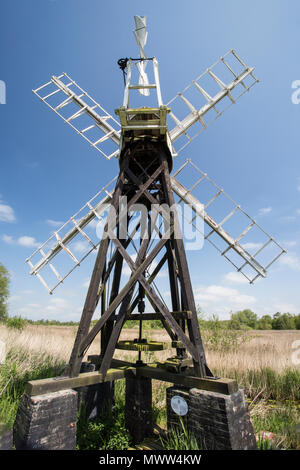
x=244 y=319
x=4 y=291
x=284 y=321
x=265 y=323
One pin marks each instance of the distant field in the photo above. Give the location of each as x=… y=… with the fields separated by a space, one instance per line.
x=270 y=348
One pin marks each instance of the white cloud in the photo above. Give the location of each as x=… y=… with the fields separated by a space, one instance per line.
x=264 y=210
x=22 y=241
x=234 y=277
x=58 y=306
x=225 y=297
x=27 y=241
x=80 y=247
x=7 y=239
x=54 y=223
x=7 y=213
x=291 y=260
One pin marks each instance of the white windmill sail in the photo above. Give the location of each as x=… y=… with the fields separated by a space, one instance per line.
x=141 y=35
x=207 y=97
x=72 y=242
x=229 y=225
x=78 y=109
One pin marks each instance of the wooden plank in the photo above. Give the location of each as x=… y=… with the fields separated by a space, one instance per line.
x=157 y=316
x=225 y=386
x=42 y=386
x=123 y=369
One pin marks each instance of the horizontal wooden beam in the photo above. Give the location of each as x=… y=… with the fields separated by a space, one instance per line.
x=42 y=386
x=157 y=316
x=225 y=386
x=122 y=369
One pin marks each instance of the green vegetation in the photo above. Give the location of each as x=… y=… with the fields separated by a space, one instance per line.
x=266 y=389
x=4 y=291
x=19 y=368
x=218 y=337
x=16 y=323
x=180 y=439
x=109 y=432
x=282 y=421
x=267 y=384
x=248 y=320
x=241 y=320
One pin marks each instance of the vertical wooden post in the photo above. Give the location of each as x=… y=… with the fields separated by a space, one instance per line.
x=138 y=408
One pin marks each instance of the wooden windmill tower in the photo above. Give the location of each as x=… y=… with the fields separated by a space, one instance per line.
x=144 y=141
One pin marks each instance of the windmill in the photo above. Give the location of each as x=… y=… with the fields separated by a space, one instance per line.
x=146 y=140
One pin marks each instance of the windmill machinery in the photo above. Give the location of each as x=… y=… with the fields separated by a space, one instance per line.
x=145 y=141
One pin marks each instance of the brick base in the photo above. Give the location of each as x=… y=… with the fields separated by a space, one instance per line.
x=218 y=422
x=6 y=440
x=46 y=421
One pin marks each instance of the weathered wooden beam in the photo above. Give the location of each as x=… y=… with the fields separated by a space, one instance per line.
x=123 y=369
x=42 y=386
x=225 y=386
x=154 y=316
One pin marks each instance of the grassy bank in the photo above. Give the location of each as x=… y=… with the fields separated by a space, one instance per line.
x=261 y=363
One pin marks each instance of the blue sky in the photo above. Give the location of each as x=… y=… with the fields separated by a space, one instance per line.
x=48 y=172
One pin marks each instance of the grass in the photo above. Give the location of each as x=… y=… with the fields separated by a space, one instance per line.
x=109 y=432
x=281 y=419
x=179 y=439
x=19 y=367
x=260 y=361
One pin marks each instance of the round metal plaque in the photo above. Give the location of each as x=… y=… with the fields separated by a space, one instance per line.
x=179 y=405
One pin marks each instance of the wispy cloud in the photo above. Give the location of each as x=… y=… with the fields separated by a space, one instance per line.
x=22 y=241
x=81 y=247
x=27 y=241
x=7 y=239
x=54 y=223
x=291 y=260
x=6 y=213
x=234 y=277
x=264 y=210
x=214 y=295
